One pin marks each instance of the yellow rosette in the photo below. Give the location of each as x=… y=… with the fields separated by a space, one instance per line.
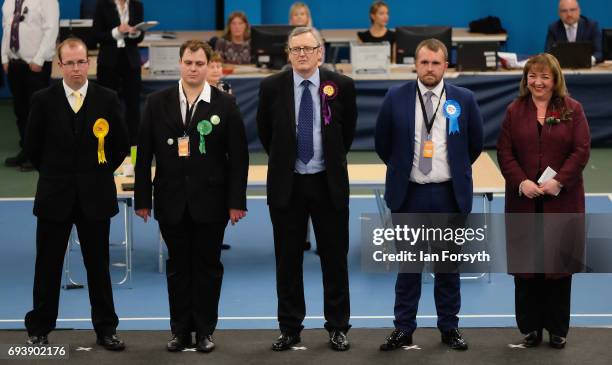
x=100 y=130
x=329 y=90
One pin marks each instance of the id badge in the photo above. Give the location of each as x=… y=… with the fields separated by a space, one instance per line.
x=428 y=149
x=183 y=146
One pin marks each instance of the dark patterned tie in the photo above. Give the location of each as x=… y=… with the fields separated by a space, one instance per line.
x=14 y=43
x=305 y=120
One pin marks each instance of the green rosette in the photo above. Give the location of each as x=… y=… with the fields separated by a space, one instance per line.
x=204 y=128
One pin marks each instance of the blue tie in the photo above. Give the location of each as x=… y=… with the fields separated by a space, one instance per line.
x=305 y=150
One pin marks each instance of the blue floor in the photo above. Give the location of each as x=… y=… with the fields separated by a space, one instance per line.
x=248 y=298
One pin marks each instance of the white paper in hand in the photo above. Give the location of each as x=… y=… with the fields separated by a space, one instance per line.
x=547 y=175
x=146 y=25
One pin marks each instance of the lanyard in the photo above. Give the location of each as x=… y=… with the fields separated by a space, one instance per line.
x=189 y=112
x=429 y=122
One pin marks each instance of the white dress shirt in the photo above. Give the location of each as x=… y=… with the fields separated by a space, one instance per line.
x=124 y=18
x=571 y=31
x=440 y=170
x=37 y=32
x=70 y=93
x=204 y=95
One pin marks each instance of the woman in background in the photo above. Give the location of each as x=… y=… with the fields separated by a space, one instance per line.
x=299 y=15
x=234 y=46
x=118 y=58
x=379 y=18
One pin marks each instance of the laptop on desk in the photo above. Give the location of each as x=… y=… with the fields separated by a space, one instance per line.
x=573 y=54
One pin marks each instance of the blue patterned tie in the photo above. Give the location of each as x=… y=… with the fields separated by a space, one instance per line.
x=305 y=149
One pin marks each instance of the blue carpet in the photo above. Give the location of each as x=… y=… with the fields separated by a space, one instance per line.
x=248 y=298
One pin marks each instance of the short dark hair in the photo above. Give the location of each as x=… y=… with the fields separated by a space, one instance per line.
x=193 y=45
x=71 y=42
x=432 y=44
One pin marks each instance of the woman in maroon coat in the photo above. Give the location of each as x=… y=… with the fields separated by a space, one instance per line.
x=543 y=128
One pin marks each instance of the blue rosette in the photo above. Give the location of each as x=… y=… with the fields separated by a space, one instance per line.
x=452 y=111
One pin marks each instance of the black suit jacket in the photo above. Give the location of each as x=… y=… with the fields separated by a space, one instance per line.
x=207 y=184
x=66 y=157
x=105 y=19
x=588 y=31
x=277 y=130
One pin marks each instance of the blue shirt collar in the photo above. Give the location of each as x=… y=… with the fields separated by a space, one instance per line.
x=315 y=79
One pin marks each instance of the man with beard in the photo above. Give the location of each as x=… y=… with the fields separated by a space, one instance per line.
x=428 y=134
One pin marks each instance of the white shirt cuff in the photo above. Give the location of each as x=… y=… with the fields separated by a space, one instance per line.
x=117 y=34
x=38 y=60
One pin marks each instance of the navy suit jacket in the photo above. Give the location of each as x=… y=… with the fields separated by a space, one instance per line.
x=588 y=31
x=395 y=142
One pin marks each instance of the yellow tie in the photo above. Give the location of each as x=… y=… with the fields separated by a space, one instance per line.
x=78 y=103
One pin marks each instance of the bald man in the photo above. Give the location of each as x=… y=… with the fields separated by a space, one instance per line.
x=572 y=27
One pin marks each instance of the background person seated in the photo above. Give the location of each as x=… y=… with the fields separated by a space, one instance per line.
x=299 y=15
x=572 y=27
x=378 y=32
x=235 y=46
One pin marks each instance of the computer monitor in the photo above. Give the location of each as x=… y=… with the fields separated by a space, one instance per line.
x=607 y=43
x=573 y=54
x=408 y=38
x=79 y=28
x=268 y=45
x=88 y=9
x=477 y=56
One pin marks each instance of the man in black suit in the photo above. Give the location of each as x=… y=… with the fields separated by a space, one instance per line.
x=306 y=122
x=76 y=139
x=572 y=27
x=119 y=59
x=197 y=136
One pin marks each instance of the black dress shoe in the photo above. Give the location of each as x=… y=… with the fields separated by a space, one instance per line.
x=307 y=245
x=111 y=343
x=338 y=340
x=285 y=342
x=396 y=339
x=557 y=342
x=454 y=340
x=532 y=339
x=225 y=246
x=179 y=342
x=37 y=340
x=15 y=160
x=205 y=343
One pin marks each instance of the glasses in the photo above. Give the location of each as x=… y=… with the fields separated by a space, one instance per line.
x=567 y=11
x=79 y=63
x=307 y=50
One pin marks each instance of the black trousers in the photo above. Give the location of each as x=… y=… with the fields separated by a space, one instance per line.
x=126 y=81
x=310 y=197
x=23 y=82
x=51 y=241
x=543 y=303
x=194 y=273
